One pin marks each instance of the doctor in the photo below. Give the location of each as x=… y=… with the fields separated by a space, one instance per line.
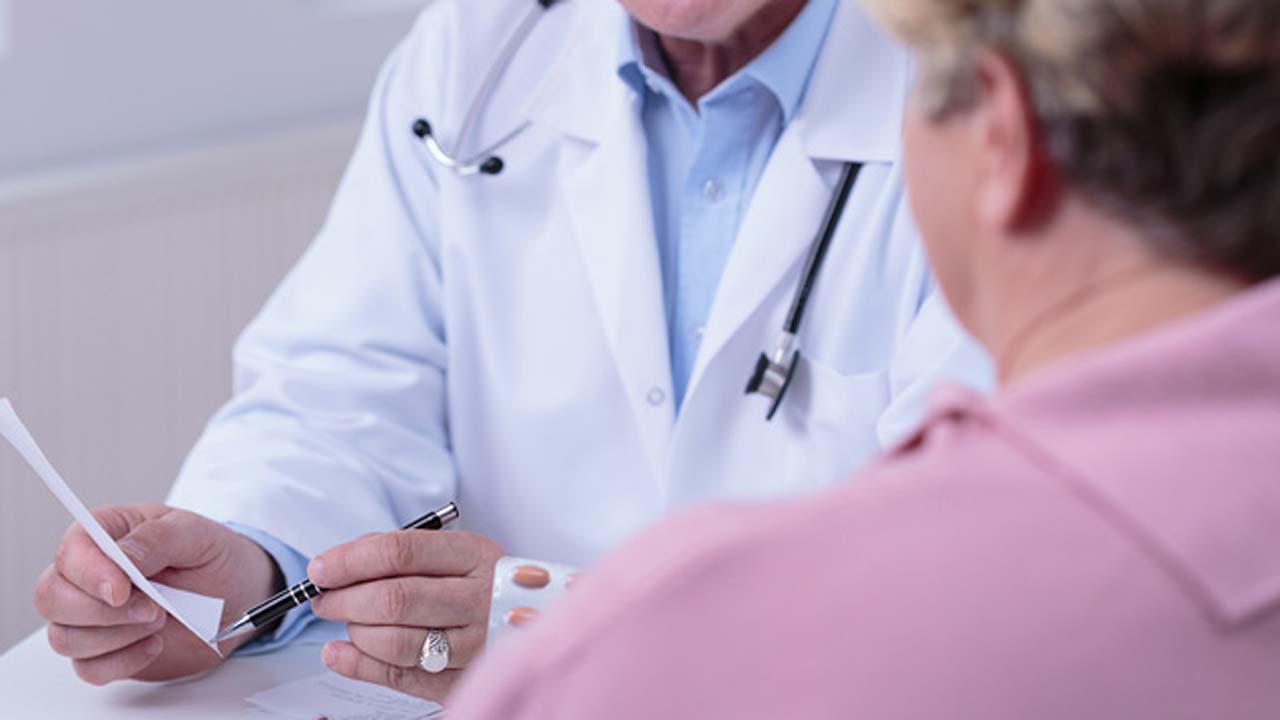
x=562 y=345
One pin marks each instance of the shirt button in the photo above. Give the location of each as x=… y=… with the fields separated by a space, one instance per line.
x=656 y=397
x=711 y=190
x=699 y=333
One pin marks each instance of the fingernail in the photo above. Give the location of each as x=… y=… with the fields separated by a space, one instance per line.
x=572 y=579
x=316 y=571
x=143 y=612
x=104 y=589
x=158 y=622
x=531 y=576
x=329 y=654
x=517 y=617
x=133 y=550
x=152 y=646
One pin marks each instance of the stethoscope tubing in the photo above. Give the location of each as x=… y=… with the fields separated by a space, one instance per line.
x=818 y=251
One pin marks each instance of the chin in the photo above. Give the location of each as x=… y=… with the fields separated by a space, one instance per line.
x=699 y=20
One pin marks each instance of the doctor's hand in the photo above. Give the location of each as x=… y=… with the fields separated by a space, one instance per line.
x=390 y=589
x=110 y=629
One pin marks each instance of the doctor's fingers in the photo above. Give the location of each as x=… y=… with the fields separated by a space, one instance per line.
x=58 y=601
x=408 y=601
x=176 y=539
x=81 y=643
x=403 y=645
x=347 y=659
x=85 y=566
x=121 y=664
x=404 y=552
x=80 y=561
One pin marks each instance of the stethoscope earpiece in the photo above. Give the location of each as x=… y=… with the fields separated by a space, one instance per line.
x=484 y=162
x=491 y=165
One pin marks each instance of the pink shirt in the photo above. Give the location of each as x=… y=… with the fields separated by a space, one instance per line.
x=1101 y=541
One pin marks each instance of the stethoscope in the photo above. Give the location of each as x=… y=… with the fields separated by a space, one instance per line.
x=485 y=162
x=773 y=373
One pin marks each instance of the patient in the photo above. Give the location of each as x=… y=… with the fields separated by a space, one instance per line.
x=1098 y=184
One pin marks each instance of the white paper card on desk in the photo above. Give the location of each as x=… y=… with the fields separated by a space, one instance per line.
x=199 y=613
x=334 y=697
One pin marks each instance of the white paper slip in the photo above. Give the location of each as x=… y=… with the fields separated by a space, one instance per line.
x=199 y=613
x=334 y=697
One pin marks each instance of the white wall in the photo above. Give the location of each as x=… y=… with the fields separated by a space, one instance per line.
x=120 y=294
x=4 y=28
x=88 y=80
x=162 y=164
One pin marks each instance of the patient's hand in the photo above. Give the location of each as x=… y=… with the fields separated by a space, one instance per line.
x=110 y=629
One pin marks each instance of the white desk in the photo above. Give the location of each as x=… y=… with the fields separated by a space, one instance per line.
x=35 y=683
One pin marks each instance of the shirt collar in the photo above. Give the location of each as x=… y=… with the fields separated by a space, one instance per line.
x=784 y=68
x=640 y=64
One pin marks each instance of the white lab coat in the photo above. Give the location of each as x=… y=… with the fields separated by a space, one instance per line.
x=502 y=339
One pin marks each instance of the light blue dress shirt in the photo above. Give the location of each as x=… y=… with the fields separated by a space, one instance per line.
x=293 y=565
x=706 y=160
x=704 y=164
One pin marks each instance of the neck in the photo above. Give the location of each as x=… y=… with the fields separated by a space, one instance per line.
x=1111 y=307
x=697 y=66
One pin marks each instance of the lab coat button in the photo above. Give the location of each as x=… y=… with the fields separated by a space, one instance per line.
x=699 y=333
x=656 y=397
x=711 y=190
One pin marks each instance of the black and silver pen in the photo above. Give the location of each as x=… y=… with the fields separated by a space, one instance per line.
x=276 y=606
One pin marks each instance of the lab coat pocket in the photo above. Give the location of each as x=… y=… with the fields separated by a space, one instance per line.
x=834 y=419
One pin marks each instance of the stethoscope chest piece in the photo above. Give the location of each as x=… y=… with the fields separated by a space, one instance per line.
x=774 y=373
x=772 y=377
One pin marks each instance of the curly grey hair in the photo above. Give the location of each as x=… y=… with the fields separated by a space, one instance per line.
x=1163 y=112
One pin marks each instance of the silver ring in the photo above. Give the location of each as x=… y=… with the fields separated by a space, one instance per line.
x=435 y=652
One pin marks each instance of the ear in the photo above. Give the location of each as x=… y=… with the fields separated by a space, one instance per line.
x=1016 y=178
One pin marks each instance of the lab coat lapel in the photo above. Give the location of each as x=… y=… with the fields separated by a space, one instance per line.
x=609 y=202
x=852 y=112
x=607 y=197
x=776 y=231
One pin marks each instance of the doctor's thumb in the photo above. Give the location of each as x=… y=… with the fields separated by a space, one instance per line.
x=169 y=541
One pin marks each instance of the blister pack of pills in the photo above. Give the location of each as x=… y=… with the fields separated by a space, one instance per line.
x=521 y=590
